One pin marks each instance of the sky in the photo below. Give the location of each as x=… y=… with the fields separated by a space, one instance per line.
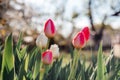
x=100 y=8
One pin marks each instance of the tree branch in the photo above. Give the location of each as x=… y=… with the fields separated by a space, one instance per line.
x=90 y=15
x=116 y=13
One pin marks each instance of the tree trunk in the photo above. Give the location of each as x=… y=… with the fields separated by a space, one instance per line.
x=97 y=37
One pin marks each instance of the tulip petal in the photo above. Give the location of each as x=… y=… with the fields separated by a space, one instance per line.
x=86 y=31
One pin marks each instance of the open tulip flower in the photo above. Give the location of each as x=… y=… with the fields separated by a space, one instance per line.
x=47 y=57
x=79 y=40
x=86 y=32
x=49 y=28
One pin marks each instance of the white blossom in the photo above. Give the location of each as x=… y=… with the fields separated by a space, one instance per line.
x=55 y=50
x=41 y=40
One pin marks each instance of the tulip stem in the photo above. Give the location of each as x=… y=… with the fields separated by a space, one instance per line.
x=74 y=64
x=47 y=68
x=41 y=72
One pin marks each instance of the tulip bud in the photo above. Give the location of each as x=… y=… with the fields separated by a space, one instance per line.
x=49 y=28
x=41 y=41
x=55 y=50
x=47 y=57
x=86 y=32
x=79 y=40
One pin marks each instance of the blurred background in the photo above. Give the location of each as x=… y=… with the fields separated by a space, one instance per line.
x=69 y=16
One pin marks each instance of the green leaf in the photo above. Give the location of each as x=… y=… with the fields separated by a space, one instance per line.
x=0 y=61
x=21 y=70
x=19 y=41
x=0 y=64
x=32 y=58
x=8 y=60
x=64 y=73
x=17 y=54
x=100 y=64
x=21 y=54
x=54 y=70
x=37 y=66
x=1 y=46
x=33 y=64
x=26 y=63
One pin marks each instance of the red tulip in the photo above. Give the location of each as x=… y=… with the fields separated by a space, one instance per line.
x=86 y=31
x=79 y=40
x=47 y=57
x=49 y=28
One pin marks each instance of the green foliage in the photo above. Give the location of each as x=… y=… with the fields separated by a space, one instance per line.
x=7 y=72
x=0 y=57
x=100 y=65
x=64 y=73
x=74 y=65
x=18 y=63
x=54 y=71
x=36 y=71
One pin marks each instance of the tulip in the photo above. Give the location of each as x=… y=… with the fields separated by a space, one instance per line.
x=49 y=28
x=41 y=41
x=47 y=57
x=86 y=32
x=55 y=50
x=79 y=40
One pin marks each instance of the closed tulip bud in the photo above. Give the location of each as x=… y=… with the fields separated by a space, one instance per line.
x=47 y=57
x=55 y=50
x=49 y=28
x=79 y=40
x=41 y=41
x=86 y=32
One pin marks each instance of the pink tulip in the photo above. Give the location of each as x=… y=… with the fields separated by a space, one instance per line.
x=79 y=40
x=49 y=28
x=86 y=31
x=47 y=57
